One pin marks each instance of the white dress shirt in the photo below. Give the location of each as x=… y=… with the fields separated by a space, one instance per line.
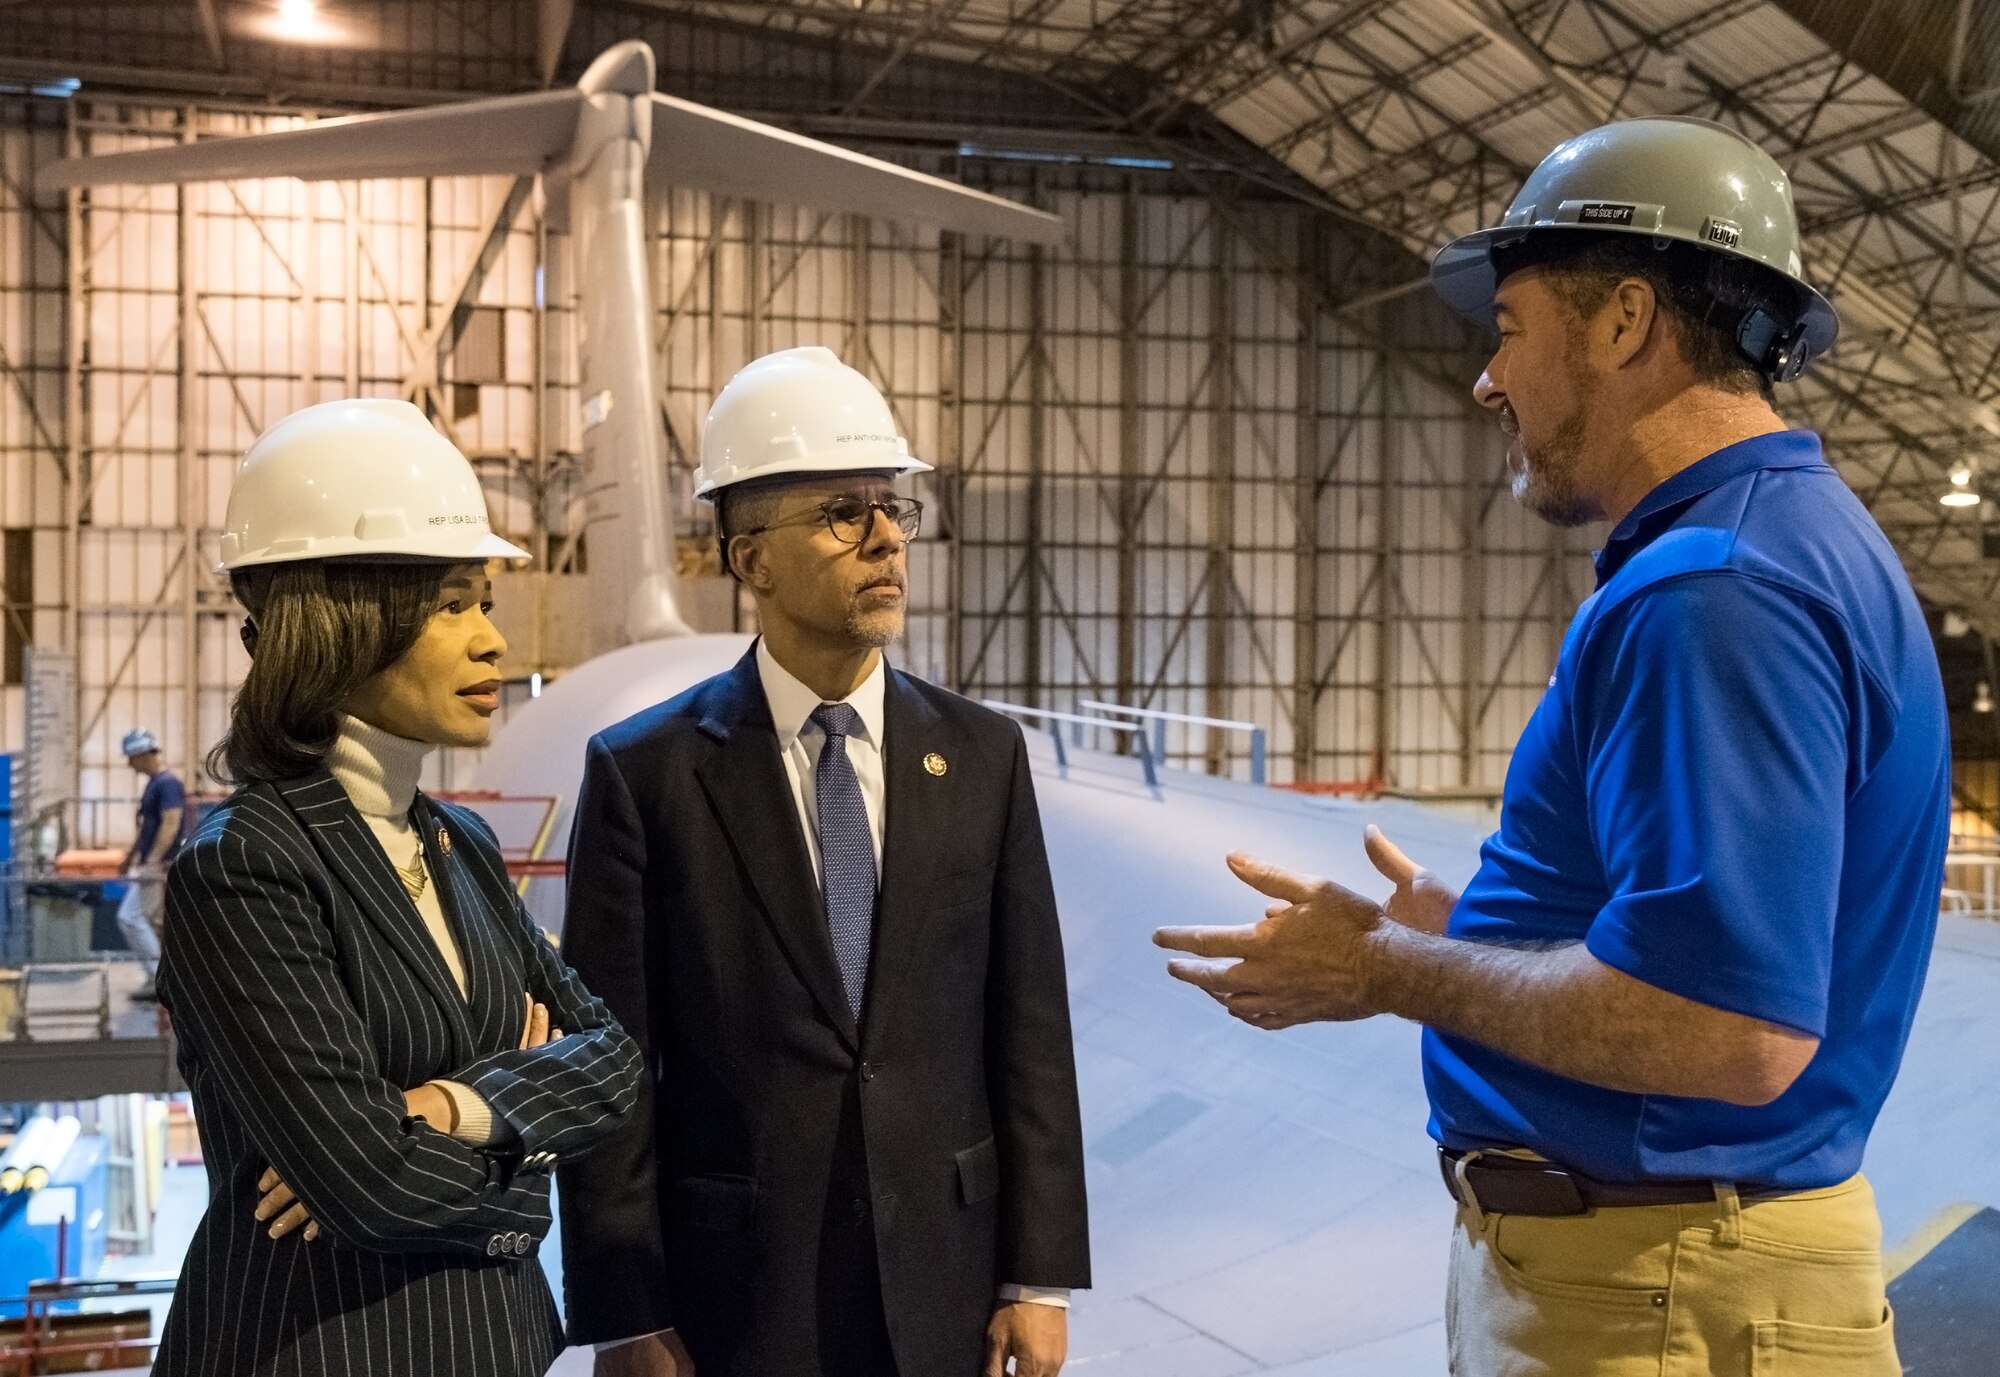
x=800 y=741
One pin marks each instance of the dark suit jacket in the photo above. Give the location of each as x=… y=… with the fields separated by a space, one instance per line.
x=305 y=994
x=695 y=910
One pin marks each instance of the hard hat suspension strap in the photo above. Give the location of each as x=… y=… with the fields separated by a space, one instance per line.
x=1763 y=313
x=1778 y=350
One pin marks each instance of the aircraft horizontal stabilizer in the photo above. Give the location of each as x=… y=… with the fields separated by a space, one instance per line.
x=710 y=150
x=506 y=134
x=692 y=146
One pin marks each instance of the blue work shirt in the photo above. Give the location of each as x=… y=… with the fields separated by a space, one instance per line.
x=1737 y=790
x=163 y=793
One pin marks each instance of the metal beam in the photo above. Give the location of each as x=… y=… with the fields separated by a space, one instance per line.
x=1220 y=579
x=1908 y=47
x=1130 y=504
x=187 y=478
x=441 y=337
x=1032 y=567
x=1306 y=496
x=552 y=23
x=211 y=33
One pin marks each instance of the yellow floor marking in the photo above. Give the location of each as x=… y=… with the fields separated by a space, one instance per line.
x=1939 y=1227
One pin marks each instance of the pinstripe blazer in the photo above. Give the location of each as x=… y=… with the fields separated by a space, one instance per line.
x=306 y=993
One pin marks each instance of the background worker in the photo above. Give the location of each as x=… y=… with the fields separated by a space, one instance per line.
x=163 y=825
x=814 y=889
x=1662 y=1018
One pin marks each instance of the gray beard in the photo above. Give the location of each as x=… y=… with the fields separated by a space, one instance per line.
x=1557 y=504
x=1548 y=487
x=876 y=630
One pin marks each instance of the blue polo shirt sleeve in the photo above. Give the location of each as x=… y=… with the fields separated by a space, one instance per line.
x=1713 y=725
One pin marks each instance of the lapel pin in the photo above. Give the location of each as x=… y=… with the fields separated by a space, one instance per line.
x=935 y=763
x=444 y=842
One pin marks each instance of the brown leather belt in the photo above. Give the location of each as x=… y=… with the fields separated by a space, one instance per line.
x=1499 y=1184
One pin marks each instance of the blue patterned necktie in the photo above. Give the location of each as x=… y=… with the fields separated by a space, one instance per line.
x=846 y=850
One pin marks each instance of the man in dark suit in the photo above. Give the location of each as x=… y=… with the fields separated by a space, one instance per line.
x=814 y=889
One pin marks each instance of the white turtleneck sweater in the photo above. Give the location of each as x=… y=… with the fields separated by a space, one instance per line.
x=379 y=771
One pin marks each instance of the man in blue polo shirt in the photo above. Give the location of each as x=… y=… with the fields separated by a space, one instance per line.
x=1661 y=1020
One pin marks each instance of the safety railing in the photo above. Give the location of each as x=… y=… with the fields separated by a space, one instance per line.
x=1057 y=720
x=1161 y=718
x=1971 y=884
x=525 y=824
x=45 y=1340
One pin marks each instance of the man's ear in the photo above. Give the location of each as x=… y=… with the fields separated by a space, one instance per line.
x=747 y=562
x=1635 y=317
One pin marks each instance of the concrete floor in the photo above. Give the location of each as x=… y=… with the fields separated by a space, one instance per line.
x=1267 y=1203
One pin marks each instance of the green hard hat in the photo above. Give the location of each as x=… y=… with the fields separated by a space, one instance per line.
x=1676 y=179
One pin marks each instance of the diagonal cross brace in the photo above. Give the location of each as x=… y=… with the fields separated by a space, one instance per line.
x=438 y=342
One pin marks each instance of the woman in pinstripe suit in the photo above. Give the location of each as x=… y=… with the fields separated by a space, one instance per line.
x=387 y=1059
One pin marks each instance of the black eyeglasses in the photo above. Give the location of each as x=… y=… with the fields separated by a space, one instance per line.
x=852 y=519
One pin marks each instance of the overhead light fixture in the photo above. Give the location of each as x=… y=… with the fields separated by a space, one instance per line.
x=1982 y=697
x=317 y=22
x=300 y=21
x=1960 y=494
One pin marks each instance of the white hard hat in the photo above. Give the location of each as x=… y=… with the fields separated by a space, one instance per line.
x=139 y=741
x=365 y=476
x=798 y=411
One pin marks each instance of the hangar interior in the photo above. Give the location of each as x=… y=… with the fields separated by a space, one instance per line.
x=1215 y=455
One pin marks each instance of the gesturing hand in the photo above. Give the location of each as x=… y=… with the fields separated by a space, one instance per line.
x=1308 y=960
x=277 y=1203
x=1421 y=901
x=1303 y=963
x=1035 y=1336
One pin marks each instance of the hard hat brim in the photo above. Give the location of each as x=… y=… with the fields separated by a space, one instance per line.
x=486 y=547
x=814 y=467
x=1462 y=275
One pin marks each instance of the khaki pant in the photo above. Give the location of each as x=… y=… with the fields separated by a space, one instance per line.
x=1785 y=1287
